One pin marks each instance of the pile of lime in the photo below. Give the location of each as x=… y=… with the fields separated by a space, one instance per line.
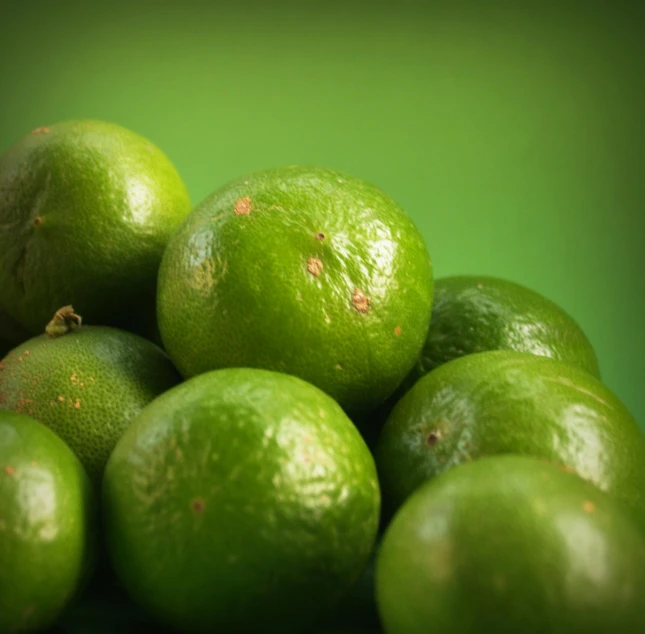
x=263 y=414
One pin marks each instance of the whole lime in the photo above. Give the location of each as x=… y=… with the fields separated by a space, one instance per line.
x=86 y=210
x=86 y=385
x=500 y=402
x=240 y=499
x=47 y=525
x=299 y=270
x=511 y=544
x=476 y=313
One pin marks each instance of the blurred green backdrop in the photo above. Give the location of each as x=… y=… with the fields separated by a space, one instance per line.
x=515 y=137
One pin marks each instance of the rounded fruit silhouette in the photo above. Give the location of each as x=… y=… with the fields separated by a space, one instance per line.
x=299 y=270
x=476 y=313
x=241 y=497
x=47 y=525
x=500 y=402
x=511 y=544
x=86 y=385
x=86 y=210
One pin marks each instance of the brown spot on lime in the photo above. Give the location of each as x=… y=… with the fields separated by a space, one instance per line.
x=42 y=130
x=433 y=438
x=360 y=300
x=77 y=403
x=9 y=470
x=242 y=206
x=38 y=221
x=338 y=366
x=397 y=331
x=61 y=399
x=314 y=266
x=320 y=236
x=197 y=505
x=26 y=353
x=19 y=359
x=588 y=506
x=480 y=286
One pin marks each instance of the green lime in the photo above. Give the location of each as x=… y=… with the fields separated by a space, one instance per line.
x=500 y=402
x=241 y=499
x=47 y=525
x=476 y=313
x=299 y=270
x=511 y=544
x=86 y=385
x=86 y=210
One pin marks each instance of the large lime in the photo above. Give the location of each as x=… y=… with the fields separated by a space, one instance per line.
x=511 y=544
x=240 y=501
x=299 y=270
x=86 y=210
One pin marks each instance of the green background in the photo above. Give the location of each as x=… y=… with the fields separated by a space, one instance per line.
x=515 y=137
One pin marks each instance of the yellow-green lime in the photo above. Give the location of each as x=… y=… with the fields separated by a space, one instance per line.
x=241 y=500
x=301 y=270
x=85 y=385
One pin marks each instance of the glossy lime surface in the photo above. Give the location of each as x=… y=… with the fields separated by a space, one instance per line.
x=47 y=525
x=86 y=210
x=475 y=313
x=301 y=270
x=511 y=544
x=500 y=402
x=241 y=499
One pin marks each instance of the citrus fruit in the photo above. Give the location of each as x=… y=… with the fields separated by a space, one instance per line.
x=86 y=385
x=299 y=270
x=499 y=402
x=511 y=544
x=86 y=209
x=47 y=525
x=241 y=497
x=475 y=313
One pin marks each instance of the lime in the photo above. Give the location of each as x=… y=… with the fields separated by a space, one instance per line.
x=511 y=544
x=240 y=499
x=500 y=402
x=299 y=270
x=475 y=313
x=47 y=525
x=86 y=210
x=86 y=385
